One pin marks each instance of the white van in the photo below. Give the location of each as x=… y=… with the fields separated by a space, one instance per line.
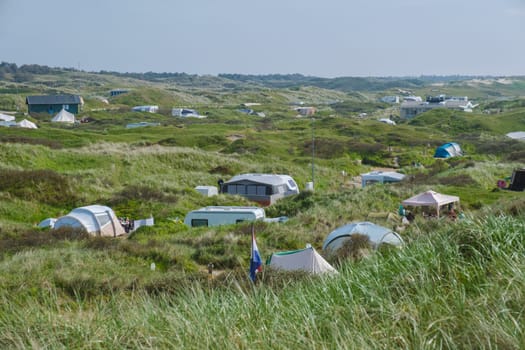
x=223 y=215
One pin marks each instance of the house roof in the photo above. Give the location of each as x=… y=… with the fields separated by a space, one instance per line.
x=53 y=99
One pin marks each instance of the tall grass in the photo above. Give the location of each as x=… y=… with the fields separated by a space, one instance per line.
x=458 y=287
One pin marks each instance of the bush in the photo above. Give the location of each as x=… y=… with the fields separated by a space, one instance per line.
x=457 y=180
x=37 y=238
x=54 y=144
x=292 y=205
x=45 y=186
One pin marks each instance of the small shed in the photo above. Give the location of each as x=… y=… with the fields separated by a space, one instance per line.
x=207 y=191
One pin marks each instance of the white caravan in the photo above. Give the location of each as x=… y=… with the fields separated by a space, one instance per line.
x=223 y=215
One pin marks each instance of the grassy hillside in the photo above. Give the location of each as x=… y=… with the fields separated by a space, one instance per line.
x=455 y=284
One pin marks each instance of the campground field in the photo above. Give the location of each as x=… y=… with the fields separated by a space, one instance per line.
x=454 y=284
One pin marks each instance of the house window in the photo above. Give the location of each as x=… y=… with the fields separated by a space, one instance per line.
x=66 y=107
x=199 y=222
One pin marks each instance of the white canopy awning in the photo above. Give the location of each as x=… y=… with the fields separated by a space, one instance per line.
x=430 y=199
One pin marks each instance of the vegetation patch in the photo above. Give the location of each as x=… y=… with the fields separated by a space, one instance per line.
x=45 y=186
x=37 y=238
x=54 y=144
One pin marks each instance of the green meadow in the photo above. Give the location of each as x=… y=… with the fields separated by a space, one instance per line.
x=454 y=284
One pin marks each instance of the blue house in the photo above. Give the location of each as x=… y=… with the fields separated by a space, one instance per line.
x=53 y=104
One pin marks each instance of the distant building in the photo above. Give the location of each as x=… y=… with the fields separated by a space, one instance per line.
x=117 y=92
x=53 y=104
x=409 y=109
x=390 y=99
x=413 y=98
x=150 y=109
x=185 y=113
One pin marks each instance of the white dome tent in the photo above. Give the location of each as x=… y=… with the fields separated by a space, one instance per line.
x=97 y=220
x=26 y=124
x=47 y=223
x=6 y=118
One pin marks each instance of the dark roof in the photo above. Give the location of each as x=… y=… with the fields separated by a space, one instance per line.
x=53 y=100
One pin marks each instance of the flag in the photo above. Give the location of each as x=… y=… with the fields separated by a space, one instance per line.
x=255 y=258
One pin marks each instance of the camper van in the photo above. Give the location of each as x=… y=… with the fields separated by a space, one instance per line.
x=264 y=189
x=223 y=215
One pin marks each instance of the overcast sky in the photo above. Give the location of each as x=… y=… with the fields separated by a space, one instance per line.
x=328 y=38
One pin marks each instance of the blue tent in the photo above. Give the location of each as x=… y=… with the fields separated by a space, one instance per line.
x=448 y=150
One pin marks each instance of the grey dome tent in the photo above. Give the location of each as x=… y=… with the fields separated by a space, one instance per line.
x=97 y=220
x=376 y=234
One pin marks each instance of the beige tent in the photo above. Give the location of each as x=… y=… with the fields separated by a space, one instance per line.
x=97 y=220
x=307 y=260
x=431 y=199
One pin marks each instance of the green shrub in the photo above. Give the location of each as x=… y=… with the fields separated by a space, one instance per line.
x=44 y=186
x=35 y=238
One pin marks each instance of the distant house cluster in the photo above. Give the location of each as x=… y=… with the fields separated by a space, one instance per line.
x=414 y=105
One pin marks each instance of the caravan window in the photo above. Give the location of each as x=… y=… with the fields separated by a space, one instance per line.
x=261 y=190
x=236 y=189
x=241 y=189
x=251 y=189
x=199 y=222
